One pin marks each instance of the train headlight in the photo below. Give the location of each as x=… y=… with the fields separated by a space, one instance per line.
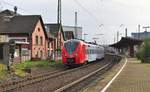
x=76 y=54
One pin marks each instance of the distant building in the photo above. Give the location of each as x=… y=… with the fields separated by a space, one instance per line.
x=141 y=35
x=72 y=32
x=55 y=32
x=69 y=35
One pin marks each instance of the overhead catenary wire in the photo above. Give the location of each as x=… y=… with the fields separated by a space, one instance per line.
x=23 y=10
x=7 y=3
x=87 y=11
x=99 y=8
x=99 y=3
x=1 y=7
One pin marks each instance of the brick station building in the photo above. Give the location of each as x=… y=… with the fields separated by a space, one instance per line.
x=25 y=28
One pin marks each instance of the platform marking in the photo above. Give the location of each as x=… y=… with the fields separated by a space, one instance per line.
x=106 y=87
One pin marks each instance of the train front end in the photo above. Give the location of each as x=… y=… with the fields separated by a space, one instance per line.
x=70 y=52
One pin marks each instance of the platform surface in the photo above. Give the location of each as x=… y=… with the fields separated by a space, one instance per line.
x=135 y=77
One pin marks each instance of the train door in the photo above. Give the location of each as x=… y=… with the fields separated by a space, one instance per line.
x=84 y=53
x=90 y=54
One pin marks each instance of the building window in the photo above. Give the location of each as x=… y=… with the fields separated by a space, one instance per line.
x=52 y=45
x=37 y=54
x=41 y=54
x=48 y=53
x=41 y=40
x=39 y=29
x=48 y=44
x=36 y=38
x=60 y=37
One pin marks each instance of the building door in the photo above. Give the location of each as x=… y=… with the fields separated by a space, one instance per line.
x=1 y=51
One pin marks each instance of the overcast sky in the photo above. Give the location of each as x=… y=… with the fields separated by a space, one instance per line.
x=95 y=16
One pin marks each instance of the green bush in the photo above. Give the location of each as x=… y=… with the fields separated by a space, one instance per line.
x=144 y=52
x=138 y=55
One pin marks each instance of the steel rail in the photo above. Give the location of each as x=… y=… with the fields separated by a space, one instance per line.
x=35 y=79
x=84 y=77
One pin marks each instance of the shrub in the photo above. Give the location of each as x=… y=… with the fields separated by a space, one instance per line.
x=138 y=55
x=144 y=52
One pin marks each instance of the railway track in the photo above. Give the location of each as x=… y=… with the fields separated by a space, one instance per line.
x=58 y=81
x=7 y=86
x=70 y=86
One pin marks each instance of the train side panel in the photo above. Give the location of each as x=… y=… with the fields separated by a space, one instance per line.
x=91 y=53
x=100 y=54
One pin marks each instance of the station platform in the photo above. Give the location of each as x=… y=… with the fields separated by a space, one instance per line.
x=135 y=77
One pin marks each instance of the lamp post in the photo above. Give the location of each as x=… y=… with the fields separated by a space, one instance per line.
x=99 y=35
x=94 y=38
x=118 y=34
x=85 y=36
x=101 y=25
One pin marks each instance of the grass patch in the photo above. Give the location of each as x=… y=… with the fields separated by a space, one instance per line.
x=55 y=63
x=19 y=68
x=3 y=72
x=20 y=72
x=2 y=67
x=32 y=64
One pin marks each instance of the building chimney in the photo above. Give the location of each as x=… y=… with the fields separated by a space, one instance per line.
x=126 y=32
x=15 y=10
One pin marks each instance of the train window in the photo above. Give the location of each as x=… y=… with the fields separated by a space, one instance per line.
x=71 y=46
x=86 y=51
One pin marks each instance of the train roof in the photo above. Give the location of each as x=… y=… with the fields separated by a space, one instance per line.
x=77 y=40
x=88 y=43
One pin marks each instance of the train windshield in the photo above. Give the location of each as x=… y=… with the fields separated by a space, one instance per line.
x=71 y=46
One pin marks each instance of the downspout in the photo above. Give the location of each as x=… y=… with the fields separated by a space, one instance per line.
x=30 y=40
x=46 y=47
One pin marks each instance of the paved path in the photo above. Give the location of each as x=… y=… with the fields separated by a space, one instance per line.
x=134 y=78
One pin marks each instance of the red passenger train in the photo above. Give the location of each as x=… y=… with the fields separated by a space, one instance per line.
x=77 y=52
